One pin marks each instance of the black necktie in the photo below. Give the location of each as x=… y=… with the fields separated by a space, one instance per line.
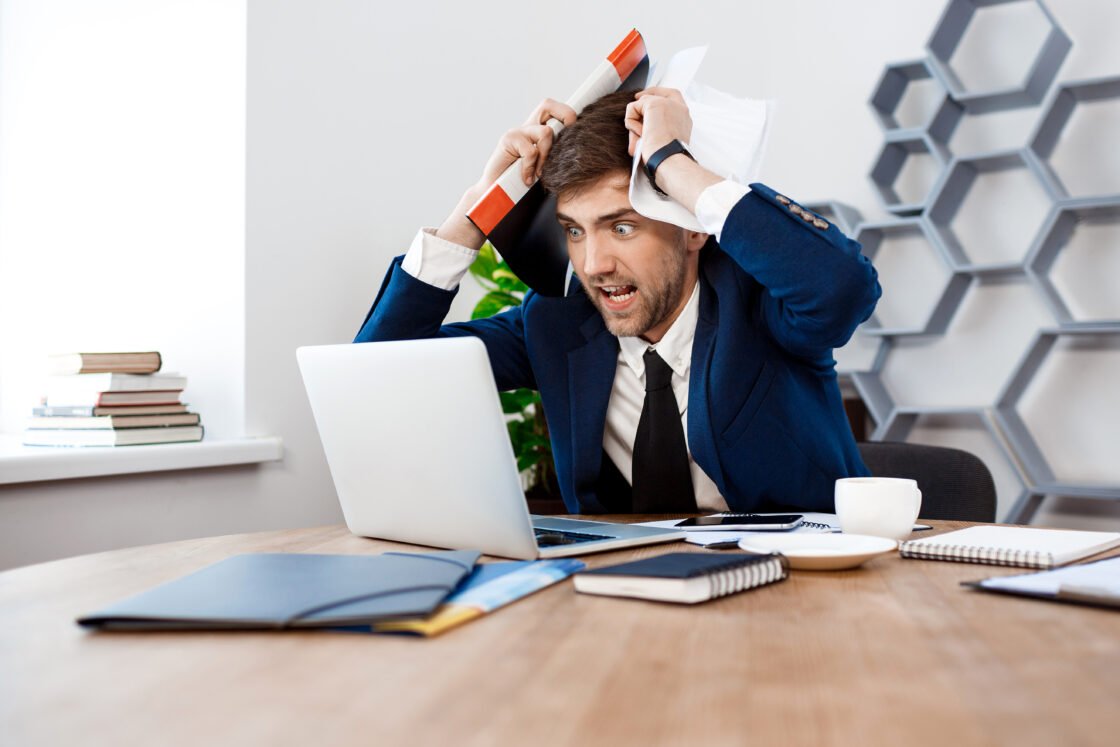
x=662 y=483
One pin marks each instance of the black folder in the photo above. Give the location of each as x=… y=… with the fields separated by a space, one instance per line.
x=270 y=591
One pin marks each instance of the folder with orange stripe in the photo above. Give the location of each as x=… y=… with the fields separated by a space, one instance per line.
x=519 y=220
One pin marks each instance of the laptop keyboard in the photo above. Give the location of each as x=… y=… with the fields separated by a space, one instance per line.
x=556 y=537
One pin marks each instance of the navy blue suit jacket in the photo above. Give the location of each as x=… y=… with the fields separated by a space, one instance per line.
x=765 y=416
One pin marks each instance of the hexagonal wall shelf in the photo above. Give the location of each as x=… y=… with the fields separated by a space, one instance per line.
x=869 y=386
x=1087 y=260
x=1030 y=500
x=935 y=299
x=1001 y=240
x=969 y=365
x=907 y=168
x=1048 y=134
x=1040 y=73
x=890 y=97
x=1011 y=421
x=953 y=192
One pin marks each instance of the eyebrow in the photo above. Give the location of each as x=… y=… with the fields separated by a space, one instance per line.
x=602 y=218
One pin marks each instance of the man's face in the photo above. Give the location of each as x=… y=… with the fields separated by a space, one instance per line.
x=634 y=269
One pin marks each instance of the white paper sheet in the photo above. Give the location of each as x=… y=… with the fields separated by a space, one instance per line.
x=728 y=137
x=1101 y=578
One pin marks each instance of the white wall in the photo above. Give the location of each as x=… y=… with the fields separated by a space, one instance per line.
x=122 y=191
x=122 y=182
x=365 y=121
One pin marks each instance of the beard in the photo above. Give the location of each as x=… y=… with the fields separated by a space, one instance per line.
x=655 y=301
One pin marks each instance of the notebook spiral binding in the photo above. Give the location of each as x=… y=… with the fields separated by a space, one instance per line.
x=985 y=555
x=747 y=574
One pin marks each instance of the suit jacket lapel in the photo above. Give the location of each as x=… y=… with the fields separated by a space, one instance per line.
x=591 y=369
x=701 y=441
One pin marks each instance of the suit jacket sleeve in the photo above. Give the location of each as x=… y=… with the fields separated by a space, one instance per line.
x=410 y=309
x=817 y=286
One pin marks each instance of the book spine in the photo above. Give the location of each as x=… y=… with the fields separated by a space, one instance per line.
x=1001 y=556
x=76 y=411
x=608 y=75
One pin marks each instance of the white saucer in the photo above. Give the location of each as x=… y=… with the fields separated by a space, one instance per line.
x=820 y=552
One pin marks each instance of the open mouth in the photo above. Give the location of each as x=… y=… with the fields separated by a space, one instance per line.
x=618 y=296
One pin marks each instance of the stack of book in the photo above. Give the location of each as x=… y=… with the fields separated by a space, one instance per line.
x=111 y=399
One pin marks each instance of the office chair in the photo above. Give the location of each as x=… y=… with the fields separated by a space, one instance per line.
x=955 y=484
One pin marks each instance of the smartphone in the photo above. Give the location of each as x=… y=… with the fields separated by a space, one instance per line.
x=743 y=522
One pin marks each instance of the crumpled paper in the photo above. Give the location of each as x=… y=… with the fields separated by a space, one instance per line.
x=728 y=137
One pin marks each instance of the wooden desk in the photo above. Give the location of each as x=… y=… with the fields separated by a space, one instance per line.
x=893 y=653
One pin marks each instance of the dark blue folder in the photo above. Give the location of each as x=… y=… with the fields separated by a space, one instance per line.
x=291 y=590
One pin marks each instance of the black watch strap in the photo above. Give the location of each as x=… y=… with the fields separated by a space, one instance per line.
x=671 y=149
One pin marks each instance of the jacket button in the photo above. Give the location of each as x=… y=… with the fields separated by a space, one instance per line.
x=782 y=199
x=795 y=209
x=820 y=223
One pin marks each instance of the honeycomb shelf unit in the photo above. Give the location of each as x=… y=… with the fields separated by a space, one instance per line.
x=940 y=122
x=953 y=192
x=938 y=306
x=1052 y=247
x=1012 y=424
x=902 y=149
x=1058 y=113
x=1039 y=75
x=1067 y=218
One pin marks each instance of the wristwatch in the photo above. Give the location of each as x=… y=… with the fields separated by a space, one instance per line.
x=673 y=148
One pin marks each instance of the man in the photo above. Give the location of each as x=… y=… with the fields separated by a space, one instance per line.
x=692 y=371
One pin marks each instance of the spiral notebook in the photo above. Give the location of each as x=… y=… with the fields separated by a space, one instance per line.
x=1011 y=546
x=684 y=576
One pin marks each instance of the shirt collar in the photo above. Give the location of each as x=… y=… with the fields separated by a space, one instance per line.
x=675 y=348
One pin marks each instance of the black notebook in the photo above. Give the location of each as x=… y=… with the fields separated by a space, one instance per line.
x=686 y=577
x=293 y=590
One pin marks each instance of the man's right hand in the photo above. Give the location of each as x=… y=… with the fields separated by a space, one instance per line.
x=531 y=142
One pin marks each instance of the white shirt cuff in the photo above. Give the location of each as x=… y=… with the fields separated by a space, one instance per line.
x=715 y=203
x=437 y=261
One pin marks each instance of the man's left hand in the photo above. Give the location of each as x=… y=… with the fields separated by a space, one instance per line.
x=657 y=116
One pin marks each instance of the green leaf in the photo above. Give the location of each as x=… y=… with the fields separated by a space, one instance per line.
x=518 y=400
x=537 y=443
x=507 y=298
x=485 y=265
x=528 y=461
x=507 y=280
x=518 y=432
x=493 y=303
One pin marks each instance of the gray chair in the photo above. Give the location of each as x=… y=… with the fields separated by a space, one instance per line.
x=955 y=484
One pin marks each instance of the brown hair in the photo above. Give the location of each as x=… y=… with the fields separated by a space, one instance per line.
x=593 y=147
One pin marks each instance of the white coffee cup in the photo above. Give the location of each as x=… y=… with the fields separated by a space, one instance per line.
x=879 y=506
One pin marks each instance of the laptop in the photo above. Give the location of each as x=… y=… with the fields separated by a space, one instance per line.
x=417 y=445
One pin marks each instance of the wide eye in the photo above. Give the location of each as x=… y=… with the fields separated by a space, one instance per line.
x=574 y=232
x=624 y=229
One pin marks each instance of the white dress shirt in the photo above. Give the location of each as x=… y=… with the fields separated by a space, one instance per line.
x=443 y=264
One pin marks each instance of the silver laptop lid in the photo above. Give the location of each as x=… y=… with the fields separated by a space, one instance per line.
x=416 y=443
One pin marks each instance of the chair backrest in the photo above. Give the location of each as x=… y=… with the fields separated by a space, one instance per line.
x=955 y=484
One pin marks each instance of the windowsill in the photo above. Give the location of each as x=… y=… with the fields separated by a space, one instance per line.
x=19 y=463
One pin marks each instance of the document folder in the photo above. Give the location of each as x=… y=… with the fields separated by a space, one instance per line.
x=270 y=591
